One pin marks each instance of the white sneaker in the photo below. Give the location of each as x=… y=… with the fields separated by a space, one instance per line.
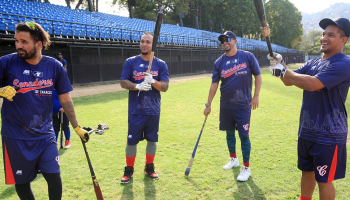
x=244 y=175
x=233 y=163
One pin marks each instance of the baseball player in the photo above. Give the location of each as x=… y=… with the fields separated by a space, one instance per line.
x=323 y=124
x=144 y=110
x=235 y=69
x=28 y=138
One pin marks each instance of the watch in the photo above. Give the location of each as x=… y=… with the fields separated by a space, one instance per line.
x=207 y=104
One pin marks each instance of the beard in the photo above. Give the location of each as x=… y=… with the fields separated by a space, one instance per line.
x=26 y=55
x=144 y=53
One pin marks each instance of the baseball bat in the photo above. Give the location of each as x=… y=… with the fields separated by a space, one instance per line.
x=61 y=138
x=155 y=40
x=94 y=180
x=260 y=9
x=189 y=165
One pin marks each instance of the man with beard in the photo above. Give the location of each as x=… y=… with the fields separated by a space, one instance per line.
x=323 y=127
x=62 y=60
x=144 y=110
x=235 y=69
x=28 y=138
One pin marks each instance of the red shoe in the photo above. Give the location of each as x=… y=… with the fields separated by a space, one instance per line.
x=128 y=173
x=67 y=144
x=149 y=170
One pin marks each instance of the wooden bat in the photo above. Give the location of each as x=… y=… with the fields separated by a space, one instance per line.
x=260 y=9
x=94 y=180
x=189 y=165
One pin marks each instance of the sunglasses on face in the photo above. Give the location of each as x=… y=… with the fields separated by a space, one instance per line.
x=225 y=39
x=32 y=26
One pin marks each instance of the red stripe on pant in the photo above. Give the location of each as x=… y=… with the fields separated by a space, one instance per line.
x=333 y=166
x=10 y=179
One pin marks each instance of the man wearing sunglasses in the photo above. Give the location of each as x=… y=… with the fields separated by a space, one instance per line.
x=28 y=138
x=235 y=69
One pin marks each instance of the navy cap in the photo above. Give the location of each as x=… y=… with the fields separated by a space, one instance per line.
x=343 y=23
x=59 y=53
x=229 y=34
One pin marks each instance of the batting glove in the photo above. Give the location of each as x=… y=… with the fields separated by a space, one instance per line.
x=276 y=59
x=278 y=70
x=149 y=78
x=84 y=135
x=7 y=92
x=144 y=86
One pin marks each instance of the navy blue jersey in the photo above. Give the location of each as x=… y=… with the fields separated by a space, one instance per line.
x=235 y=74
x=29 y=116
x=323 y=117
x=63 y=61
x=148 y=102
x=56 y=102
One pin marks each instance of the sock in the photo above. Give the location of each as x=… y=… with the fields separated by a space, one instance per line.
x=56 y=133
x=149 y=158
x=304 y=198
x=130 y=161
x=233 y=155
x=67 y=134
x=246 y=164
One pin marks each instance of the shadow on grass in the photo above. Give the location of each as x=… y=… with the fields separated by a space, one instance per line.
x=247 y=190
x=128 y=190
x=150 y=189
x=11 y=190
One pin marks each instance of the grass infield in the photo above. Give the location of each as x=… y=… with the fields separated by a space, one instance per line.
x=273 y=161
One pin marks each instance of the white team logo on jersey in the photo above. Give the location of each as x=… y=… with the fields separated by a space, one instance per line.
x=19 y=172
x=235 y=61
x=313 y=68
x=322 y=170
x=228 y=62
x=38 y=74
x=26 y=72
x=142 y=65
x=58 y=160
x=130 y=136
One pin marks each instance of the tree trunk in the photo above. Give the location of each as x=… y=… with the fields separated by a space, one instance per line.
x=78 y=4
x=68 y=3
x=96 y=5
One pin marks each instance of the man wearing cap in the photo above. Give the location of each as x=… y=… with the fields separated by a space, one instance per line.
x=235 y=69
x=323 y=124
x=63 y=61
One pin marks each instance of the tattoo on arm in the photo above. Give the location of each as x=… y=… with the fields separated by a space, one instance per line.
x=164 y=85
x=126 y=84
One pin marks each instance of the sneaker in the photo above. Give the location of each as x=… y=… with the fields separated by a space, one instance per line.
x=128 y=173
x=67 y=144
x=244 y=175
x=233 y=163
x=149 y=170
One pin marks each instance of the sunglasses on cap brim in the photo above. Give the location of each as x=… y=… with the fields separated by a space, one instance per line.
x=225 y=39
x=32 y=26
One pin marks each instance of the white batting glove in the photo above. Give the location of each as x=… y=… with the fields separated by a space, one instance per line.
x=277 y=58
x=144 y=86
x=278 y=70
x=149 y=78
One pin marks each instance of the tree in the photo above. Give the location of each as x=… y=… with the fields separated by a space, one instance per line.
x=285 y=22
x=311 y=43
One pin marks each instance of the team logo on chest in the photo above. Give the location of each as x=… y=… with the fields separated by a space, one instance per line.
x=140 y=75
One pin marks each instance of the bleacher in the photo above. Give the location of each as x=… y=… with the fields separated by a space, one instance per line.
x=69 y=24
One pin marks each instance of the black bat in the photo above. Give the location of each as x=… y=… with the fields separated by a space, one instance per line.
x=155 y=38
x=94 y=180
x=260 y=9
x=189 y=165
x=61 y=138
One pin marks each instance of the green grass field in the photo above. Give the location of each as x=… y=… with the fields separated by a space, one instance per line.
x=273 y=161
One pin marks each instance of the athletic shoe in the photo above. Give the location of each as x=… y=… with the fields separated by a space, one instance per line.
x=67 y=144
x=149 y=170
x=244 y=175
x=233 y=163
x=128 y=173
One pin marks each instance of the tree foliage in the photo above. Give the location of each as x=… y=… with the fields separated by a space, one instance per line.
x=285 y=23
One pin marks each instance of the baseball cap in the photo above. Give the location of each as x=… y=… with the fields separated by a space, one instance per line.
x=343 y=23
x=229 y=34
x=59 y=53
